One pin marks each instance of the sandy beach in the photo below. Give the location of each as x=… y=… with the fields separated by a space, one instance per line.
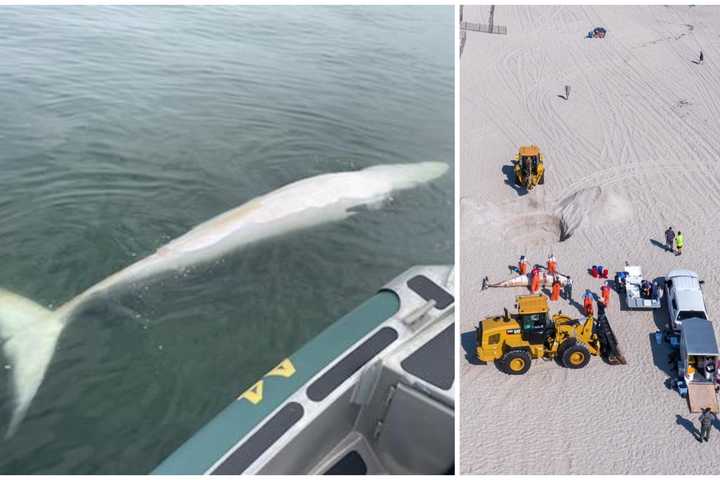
x=633 y=150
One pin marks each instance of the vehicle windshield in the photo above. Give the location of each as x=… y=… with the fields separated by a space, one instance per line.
x=690 y=314
x=534 y=321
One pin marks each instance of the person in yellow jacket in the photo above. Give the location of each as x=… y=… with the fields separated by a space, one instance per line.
x=679 y=243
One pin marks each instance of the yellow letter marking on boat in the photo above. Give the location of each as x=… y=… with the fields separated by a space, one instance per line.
x=284 y=369
x=253 y=394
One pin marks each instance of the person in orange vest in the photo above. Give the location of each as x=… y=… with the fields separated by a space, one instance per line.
x=605 y=292
x=522 y=265
x=552 y=264
x=555 y=293
x=588 y=303
x=535 y=280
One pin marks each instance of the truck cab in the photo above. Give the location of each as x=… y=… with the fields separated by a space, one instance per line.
x=684 y=298
x=535 y=322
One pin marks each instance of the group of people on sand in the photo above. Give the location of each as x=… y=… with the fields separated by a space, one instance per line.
x=674 y=242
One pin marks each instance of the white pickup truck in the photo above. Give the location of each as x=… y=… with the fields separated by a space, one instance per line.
x=684 y=297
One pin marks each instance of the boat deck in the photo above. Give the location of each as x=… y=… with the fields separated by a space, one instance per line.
x=349 y=400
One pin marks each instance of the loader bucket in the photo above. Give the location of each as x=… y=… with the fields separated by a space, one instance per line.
x=609 y=348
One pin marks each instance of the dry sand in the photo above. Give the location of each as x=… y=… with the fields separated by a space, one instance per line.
x=635 y=149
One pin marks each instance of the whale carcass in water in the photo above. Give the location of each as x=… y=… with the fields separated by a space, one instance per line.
x=29 y=332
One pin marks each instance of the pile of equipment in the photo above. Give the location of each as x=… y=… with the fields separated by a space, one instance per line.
x=597 y=32
x=639 y=293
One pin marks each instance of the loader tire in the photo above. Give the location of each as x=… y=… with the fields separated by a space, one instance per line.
x=542 y=179
x=516 y=362
x=569 y=342
x=576 y=356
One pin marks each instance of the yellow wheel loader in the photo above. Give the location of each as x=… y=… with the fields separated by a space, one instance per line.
x=512 y=341
x=529 y=167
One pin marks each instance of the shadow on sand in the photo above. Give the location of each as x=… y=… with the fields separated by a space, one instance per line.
x=468 y=340
x=579 y=306
x=660 y=315
x=658 y=244
x=661 y=355
x=509 y=173
x=662 y=352
x=687 y=425
x=623 y=301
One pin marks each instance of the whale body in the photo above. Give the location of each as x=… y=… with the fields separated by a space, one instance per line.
x=29 y=332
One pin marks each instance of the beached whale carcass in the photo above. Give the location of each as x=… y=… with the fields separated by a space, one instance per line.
x=525 y=280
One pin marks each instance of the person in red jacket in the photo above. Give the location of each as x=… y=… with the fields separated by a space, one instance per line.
x=555 y=293
x=522 y=265
x=535 y=280
x=605 y=292
x=588 y=303
x=552 y=264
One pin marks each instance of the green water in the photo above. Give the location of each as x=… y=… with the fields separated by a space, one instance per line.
x=123 y=127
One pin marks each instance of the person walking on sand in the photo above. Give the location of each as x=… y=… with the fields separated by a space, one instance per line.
x=706 y=420
x=523 y=265
x=701 y=57
x=669 y=239
x=552 y=264
x=555 y=293
x=535 y=279
x=568 y=289
x=588 y=303
x=567 y=89
x=679 y=243
x=605 y=292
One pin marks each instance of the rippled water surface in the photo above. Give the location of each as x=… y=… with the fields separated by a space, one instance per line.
x=123 y=127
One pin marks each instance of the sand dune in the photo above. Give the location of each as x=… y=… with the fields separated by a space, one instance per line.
x=635 y=149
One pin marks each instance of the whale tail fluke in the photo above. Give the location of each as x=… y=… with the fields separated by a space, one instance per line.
x=28 y=333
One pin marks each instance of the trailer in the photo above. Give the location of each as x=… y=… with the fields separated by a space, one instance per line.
x=697 y=364
x=630 y=281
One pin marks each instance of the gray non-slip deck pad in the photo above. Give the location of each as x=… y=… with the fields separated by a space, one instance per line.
x=434 y=361
x=429 y=290
x=351 y=363
x=249 y=451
